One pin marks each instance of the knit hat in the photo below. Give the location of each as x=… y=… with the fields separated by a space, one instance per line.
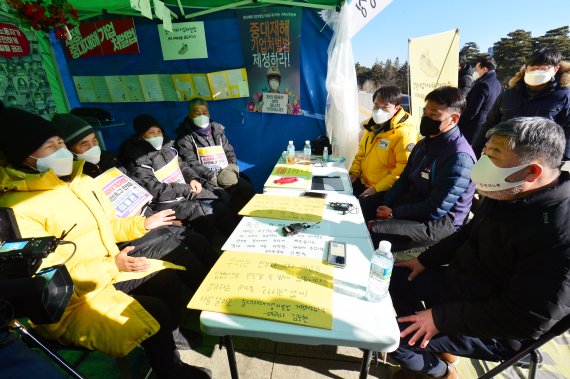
x=144 y=122
x=71 y=127
x=228 y=176
x=23 y=133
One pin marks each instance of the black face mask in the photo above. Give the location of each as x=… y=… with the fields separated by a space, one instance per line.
x=429 y=127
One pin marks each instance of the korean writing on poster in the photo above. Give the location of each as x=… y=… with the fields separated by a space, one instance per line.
x=103 y=38
x=13 y=42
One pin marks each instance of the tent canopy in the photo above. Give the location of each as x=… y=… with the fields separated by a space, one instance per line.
x=187 y=9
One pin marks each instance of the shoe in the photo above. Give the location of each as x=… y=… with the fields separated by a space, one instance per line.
x=194 y=372
x=451 y=371
x=449 y=358
x=186 y=339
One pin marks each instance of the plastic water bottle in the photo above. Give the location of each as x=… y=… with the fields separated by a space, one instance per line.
x=290 y=153
x=334 y=146
x=380 y=272
x=325 y=154
x=307 y=151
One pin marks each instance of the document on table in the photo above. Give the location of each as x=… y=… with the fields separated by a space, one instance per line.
x=272 y=287
x=290 y=176
x=264 y=235
x=295 y=208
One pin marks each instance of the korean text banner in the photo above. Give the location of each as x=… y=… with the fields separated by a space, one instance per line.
x=107 y=37
x=271 y=39
x=433 y=64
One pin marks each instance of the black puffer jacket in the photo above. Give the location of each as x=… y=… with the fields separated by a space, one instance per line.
x=509 y=268
x=188 y=140
x=141 y=159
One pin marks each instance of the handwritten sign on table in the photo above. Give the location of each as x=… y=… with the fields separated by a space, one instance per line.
x=272 y=287
x=263 y=235
x=295 y=208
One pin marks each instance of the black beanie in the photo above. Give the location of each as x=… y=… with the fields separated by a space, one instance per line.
x=23 y=133
x=144 y=122
x=71 y=127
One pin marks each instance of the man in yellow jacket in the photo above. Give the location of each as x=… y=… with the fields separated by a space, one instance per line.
x=383 y=150
x=119 y=301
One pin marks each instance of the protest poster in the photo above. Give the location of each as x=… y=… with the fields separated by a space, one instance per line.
x=127 y=197
x=271 y=39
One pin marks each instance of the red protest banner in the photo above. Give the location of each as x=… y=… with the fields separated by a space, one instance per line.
x=13 y=42
x=107 y=37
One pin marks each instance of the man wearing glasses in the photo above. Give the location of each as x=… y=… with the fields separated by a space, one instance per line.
x=543 y=91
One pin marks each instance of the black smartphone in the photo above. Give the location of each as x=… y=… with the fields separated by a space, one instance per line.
x=319 y=195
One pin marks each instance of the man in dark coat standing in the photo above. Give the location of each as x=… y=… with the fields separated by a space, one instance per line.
x=481 y=98
x=492 y=286
x=541 y=88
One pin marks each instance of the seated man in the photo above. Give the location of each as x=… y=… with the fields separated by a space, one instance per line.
x=504 y=277
x=432 y=197
x=174 y=244
x=203 y=145
x=383 y=150
x=108 y=312
x=80 y=139
x=152 y=162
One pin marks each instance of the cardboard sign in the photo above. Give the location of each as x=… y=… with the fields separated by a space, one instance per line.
x=272 y=287
x=13 y=42
x=295 y=208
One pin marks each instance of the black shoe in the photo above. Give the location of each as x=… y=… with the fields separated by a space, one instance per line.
x=186 y=339
x=194 y=372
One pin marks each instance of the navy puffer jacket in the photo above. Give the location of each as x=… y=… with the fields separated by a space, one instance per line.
x=436 y=181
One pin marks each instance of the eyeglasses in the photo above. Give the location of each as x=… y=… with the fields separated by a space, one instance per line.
x=538 y=68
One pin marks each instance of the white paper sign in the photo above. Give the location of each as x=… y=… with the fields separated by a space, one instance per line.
x=263 y=235
x=362 y=11
x=275 y=102
x=159 y=9
x=187 y=41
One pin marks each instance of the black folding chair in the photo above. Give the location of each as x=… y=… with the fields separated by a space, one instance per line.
x=530 y=350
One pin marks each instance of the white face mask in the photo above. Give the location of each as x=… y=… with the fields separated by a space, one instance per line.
x=538 y=77
x=488 y=177
x=475 y=76
x=92 y=155
x=379 y=116
x=156 y=142
x=60 y=161
x=274 y=84
x=201 y=121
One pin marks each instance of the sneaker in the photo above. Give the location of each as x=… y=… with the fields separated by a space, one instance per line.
x=186 y=339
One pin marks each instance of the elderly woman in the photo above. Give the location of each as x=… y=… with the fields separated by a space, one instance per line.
x=49 y=195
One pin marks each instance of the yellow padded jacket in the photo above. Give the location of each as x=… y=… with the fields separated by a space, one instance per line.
x=381 y=157
x=98 y=316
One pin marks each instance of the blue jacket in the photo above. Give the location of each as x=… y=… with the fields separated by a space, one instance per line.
x=552 y=102
x=480 y=100
x=436 y=181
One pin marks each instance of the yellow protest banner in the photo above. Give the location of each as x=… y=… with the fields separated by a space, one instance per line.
x=433 y=63
x=290 y=176
x=295 y=208
x=272 y=287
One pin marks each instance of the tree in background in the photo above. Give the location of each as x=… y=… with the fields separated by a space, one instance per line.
x=511 y=53
x=558 y=38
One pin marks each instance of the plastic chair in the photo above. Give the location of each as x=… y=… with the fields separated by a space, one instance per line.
x=530 y=350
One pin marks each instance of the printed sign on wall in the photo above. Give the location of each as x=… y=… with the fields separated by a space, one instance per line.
x=187 y=41
x=107 y=37
x=271 y=44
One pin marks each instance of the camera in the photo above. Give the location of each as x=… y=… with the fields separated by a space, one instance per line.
x=40 y=296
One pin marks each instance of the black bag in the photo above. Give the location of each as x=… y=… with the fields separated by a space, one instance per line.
x=319 y=144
